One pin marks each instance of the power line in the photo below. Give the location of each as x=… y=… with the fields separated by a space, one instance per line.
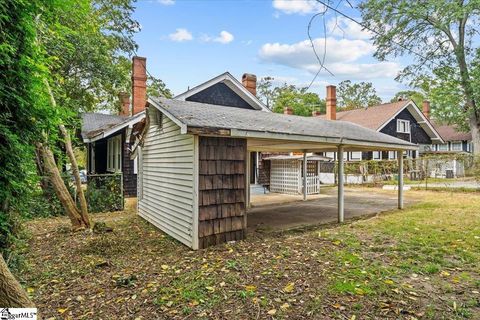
x=373 y=30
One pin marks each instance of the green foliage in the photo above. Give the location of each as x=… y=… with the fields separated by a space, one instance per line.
x=86 y=48
x=104 y=193
x=157 y=88
x=265 y=91
x=416 y=96
x=301 y=101
x=25 y=112
x=441 y=37
x=356 y=95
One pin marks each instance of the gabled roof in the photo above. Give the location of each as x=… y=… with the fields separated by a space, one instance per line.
x=96 y=126
x=451 y=132
x=233 y=84
x=376 y=117
x=273 y=126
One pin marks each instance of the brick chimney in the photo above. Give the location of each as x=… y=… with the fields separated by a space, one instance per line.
x=249 y=81
x=426 y=109
x=288 y=110
x=331 y=103
x=124 y=103
x=316 y=113
x=139 y=84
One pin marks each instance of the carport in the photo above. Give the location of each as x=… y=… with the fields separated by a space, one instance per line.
x=221 y=139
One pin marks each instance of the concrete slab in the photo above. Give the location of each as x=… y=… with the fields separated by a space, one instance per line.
x=291 y=213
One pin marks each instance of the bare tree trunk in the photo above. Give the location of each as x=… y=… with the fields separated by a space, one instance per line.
x=12 y=294
x=475 y=129
x=60 y=188
x=76 y=175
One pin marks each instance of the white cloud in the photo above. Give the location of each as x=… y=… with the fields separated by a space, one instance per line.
x=347 y=29
x=167 y=2
x=180 y=35
x=342 y=58
x=297 y=6
x=224 y=37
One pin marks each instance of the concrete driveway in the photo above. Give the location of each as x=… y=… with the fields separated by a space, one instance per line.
x=273 y=212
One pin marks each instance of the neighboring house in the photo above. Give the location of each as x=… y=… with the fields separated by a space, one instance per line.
x=108 y=137
x=454 y=140
x=401 y=119
x=194 y=163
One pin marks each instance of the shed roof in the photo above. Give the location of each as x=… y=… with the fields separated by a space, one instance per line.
x=263 y=125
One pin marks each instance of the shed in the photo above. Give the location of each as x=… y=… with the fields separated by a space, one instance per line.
x=286 y=173
x=194 y=161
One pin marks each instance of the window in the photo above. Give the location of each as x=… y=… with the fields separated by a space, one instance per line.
x=392 y=155
x=442 y=147
x=330 y=155
x=457 y=146
x=377 y=155
x=357 y=155
x=92 y=158
x=403 y=126
x=114 y=154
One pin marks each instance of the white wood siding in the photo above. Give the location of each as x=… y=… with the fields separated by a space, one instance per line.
x=167 y=186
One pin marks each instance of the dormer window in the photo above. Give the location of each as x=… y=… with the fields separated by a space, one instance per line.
x=403 y=126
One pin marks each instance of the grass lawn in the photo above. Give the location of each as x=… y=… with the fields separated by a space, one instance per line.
x=420 y=263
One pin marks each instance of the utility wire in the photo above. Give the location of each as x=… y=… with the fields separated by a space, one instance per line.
x=374 y=31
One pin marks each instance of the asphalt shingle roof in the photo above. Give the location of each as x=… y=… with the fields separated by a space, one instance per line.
x=201 y=115
x=94 y=123
x=372 y=117
x=451 y=133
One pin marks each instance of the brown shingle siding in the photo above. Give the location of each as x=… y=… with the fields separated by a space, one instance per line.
x=221 y=184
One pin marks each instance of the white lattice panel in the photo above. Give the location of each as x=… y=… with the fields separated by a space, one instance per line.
x=284 y=176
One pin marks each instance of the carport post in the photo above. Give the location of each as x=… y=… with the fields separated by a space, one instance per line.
x=304 y=175
x=340 y=185
x=400 y=179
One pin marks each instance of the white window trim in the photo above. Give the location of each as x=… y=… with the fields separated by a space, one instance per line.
x=392 y=155
x=456 y=143
x=377 y=155
x=356 y=155
x=135 y=165
x=114 y=154
x=442 y=147
x=403 y=126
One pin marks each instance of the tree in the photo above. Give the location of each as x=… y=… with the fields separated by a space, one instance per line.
x=25 y=115
x=157 y=88
x=356 y=95
x=441 y=37
x=301 y=101
x=417 y=96
x=265 y=91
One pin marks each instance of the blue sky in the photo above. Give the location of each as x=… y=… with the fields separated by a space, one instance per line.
x=187 y=42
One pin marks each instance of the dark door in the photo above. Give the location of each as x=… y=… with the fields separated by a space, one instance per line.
x=253 y=166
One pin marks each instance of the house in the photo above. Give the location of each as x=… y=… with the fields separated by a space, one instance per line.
x=451 y=158
x=194 y=163
x=401 y=119
x=455 y=141
x=107 y=137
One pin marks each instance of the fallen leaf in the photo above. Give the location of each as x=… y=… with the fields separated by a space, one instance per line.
x=62 y=311
x=289 y=287
x=272 y=312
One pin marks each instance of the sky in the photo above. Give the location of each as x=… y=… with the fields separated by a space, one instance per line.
x=188 y=42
